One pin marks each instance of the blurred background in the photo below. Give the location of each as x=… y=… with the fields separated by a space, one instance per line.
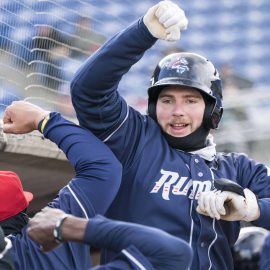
x=43 y=42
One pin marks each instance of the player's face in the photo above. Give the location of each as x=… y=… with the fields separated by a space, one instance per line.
x=180 y=110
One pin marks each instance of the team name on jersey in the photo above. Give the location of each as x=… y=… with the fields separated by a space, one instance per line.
x=170 y=184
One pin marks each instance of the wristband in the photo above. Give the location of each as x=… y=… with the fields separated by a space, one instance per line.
x=57 y=231
x=44 y=122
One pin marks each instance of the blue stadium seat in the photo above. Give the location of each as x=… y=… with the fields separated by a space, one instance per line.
x=218 y=29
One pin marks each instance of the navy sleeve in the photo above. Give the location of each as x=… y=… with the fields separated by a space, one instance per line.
x=265 y=255
x=162 y=250
x=98 y=172
x=128 y=259
x=93 y=89
x=256 y=177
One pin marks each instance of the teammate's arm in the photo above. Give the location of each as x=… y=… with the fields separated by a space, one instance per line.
x=98 y=172
x=161 y=249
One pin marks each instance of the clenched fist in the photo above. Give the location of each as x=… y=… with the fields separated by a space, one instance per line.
x=22 y=117
x=228 y=205
x=165 y=21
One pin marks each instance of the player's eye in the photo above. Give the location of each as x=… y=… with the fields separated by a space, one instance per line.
x=192 y=100
x=167 y=100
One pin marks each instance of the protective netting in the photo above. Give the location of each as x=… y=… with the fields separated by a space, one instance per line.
x=43 y=42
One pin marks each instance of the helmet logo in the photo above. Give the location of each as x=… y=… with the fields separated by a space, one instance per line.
x=180 y=64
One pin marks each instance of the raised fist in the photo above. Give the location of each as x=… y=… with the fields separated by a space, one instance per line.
x=166 y=21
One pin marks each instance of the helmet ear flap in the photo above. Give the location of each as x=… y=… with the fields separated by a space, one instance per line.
x=216 y=117
x=151 y=111
x=212 y=114
x=152 y=101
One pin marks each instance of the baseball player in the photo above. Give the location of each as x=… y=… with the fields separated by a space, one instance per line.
x=138 y=247
x=90 y=192
x=169 y=158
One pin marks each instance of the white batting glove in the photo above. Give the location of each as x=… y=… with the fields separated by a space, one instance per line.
x=228 y=205
x=166 y=21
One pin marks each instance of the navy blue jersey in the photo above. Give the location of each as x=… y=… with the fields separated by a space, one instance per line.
x=137 y=246
x=160 y=184
x=90 y=192
x=265 y=255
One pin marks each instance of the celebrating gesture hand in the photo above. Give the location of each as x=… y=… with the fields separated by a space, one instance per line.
x=166 y=21
x=22 y=117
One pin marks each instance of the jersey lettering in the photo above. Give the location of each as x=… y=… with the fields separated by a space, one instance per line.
x=268 y=170
x=170 y=182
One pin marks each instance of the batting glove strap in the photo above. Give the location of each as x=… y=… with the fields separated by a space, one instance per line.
x=252 y=206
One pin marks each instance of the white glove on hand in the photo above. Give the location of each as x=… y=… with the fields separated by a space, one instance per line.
x=165 y=21
x=228 y=205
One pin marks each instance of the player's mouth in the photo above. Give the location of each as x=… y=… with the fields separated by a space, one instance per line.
x=179 y=129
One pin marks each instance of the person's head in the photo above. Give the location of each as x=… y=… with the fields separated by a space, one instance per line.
x=185 y=99
x=248 y=247
x=14 y=202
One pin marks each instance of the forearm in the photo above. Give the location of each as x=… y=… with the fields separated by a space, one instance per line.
x=93 y=89
x=73 y=229
x=104 y=69
x=263 y=220
x=76 y=142
x=160 y=248
x=116 y=235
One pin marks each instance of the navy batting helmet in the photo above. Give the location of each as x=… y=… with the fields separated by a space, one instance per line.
x=247 y=249
x=192 y=70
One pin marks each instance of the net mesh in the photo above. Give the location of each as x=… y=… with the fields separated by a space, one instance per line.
x=43 y=43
